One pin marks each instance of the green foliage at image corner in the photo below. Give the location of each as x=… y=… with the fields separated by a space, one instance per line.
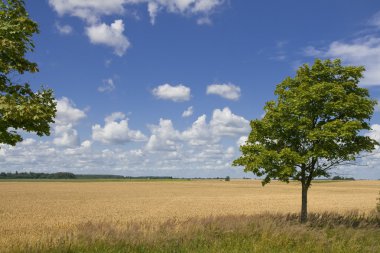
x=21 y=108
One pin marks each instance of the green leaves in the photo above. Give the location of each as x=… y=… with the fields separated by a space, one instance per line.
x=16 y=33
x=20 y=106
x=312 y=126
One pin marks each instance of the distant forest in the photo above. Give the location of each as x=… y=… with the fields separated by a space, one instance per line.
x=343 y=178
x=68 y=175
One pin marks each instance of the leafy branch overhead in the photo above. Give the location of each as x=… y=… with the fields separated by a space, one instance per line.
x=20 y=106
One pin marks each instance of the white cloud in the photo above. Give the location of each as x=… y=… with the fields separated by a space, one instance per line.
x=153 y=9
x=364 y=51
x=242 y=140
x=66 y=136
x=116 y=130
x=225 y=123
x=188 y=112
x=108 y=85
x=361 y=51
x=63 y=29
x=230 y=152
x=67 y=113
x=183 y=7
x=367 y=165
x=88 y=10
x=91 y=11
x=228 y=91
x=98 y=32
x=163 y=137
x=200 y=150
x=109 y=35
x=199 y=133
x=28 y=142
x=67 y=116
x=374 y=133
x=86 y=144
x=177 y=93
x=206 y=5
x=196 y=148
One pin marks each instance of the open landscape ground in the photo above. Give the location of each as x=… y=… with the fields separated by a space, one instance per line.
x=38 y=212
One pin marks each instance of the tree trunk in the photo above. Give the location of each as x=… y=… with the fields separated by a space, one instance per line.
x=303 y=217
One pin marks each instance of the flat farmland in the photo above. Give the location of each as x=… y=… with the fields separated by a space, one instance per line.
x=31 y=211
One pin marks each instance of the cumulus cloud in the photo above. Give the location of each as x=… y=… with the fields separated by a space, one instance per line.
x=374 y=133
x=91 y=11
x=225 y=123
x=242 y=140
x=66 y=136
x=200 y=150
x=188 y=112
x=203 y=8
x=43 y=156
x=116 y=130
x=228 y=91
x=199 y=133
x=88 y=10
x=66 y=118
x=206 y=160
x=363 y=51
x=109 y=35
x=163 y=137
x=153 y=8
x=197 y=149
x=67 y=113
x=360 y=51
x=177 y=93
x=28 y=142
x=86 y=144
x=63 y=29
x=112 y=35
x=108 y=85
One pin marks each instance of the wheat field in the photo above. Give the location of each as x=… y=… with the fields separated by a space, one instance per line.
x=35 y=211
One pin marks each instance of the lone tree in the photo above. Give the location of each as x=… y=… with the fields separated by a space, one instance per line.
x=314 y=125
x=20 y=107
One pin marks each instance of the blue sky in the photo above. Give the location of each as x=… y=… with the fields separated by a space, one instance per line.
x=167 y=87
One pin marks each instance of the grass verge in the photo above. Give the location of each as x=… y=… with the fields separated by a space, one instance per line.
x=326 y=232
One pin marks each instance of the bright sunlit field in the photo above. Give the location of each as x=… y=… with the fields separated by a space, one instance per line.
x=35 y=212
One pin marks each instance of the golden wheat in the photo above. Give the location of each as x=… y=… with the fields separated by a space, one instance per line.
x=31 y=212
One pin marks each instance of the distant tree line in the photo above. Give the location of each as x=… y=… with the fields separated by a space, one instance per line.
x=149 y=177
x=69 y=175
x=35 y=175
x=343 y=178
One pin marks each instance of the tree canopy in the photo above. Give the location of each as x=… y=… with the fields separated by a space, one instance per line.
x=314 y=125
x=20 y=107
